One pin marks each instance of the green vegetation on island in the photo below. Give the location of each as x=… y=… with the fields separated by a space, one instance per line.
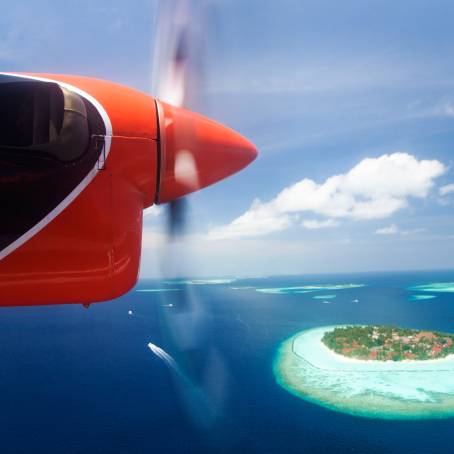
x=383 y=343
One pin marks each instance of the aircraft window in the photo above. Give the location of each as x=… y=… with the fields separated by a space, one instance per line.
x=43 y=119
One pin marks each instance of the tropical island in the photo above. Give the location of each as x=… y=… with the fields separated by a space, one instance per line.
x=411 y=388
x=388 y=343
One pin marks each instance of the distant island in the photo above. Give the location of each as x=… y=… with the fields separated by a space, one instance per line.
x=384 y=343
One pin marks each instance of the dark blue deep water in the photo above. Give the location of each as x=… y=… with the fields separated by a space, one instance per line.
x=77 y=380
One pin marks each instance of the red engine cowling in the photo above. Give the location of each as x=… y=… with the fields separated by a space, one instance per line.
x=80 y=159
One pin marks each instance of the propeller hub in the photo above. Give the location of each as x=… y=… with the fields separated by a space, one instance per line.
x=196 y=152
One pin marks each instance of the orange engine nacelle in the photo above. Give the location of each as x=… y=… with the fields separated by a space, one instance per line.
x=80 y=159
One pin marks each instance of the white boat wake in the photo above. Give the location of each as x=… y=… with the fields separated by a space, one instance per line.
x=197 y=403
x=162 y=354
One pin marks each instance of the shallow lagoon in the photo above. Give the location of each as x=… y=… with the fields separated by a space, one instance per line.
x=378 y=389
x=308 y=288
x=421 y=297
x=200 y=281
x=442 y=287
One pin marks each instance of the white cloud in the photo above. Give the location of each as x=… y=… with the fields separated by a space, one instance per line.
x=375 y=188
x=390 y=230
x=152 y=239
x=321 y=74
x=152 y=212
x=439 y=109
x=259 y=218
x=445 y=190
x=413 y=231
x=313 y=224
x=393 y=229
x=449 y=110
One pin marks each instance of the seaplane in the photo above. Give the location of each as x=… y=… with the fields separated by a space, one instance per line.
x=82 y=158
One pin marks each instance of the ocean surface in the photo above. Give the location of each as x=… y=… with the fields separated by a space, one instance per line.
x=187 y=367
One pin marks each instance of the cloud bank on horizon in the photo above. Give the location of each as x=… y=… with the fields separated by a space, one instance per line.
x=390 y=230
x=375 y=188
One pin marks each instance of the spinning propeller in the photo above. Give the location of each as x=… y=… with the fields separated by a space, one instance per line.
x=197 y=152
x=176 y=73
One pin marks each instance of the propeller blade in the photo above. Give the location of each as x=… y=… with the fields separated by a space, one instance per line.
x=179 y=52
x=177 y=78
x=194 y=152
x=176 y=217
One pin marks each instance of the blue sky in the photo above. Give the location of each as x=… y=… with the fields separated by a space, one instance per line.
x=359 y=90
